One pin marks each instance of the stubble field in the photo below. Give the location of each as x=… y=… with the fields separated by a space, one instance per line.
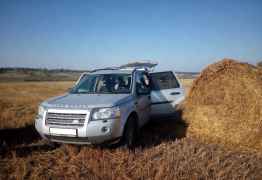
x=163 y=150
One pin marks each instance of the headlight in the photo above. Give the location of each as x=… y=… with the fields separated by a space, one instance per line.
x=105 y=113
x=41 y=111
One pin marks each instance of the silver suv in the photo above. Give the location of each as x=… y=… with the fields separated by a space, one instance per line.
x=108 y=106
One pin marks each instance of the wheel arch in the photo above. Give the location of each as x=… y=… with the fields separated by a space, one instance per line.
x=131 y=114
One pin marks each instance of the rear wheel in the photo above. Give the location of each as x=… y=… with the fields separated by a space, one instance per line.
x=130 y=133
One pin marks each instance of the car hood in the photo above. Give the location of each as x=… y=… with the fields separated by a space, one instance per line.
x=83 y=101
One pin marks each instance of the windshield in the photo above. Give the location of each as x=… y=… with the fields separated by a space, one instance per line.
x=104 y=84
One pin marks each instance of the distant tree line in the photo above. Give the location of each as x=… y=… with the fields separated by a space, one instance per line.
x=40 y=70
x=259 y=64
x=62 y=70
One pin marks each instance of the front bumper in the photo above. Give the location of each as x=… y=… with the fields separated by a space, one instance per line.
x=93 y=132
x=82 y=140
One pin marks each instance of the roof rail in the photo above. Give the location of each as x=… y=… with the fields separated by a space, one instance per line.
x=147 y=66
x=108 y=68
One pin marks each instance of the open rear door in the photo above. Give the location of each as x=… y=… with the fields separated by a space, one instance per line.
x=166 y=93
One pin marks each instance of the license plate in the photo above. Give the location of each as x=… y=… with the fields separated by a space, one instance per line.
x=60 y=131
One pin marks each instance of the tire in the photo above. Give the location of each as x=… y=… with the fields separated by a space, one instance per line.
x=130 y=133
x=53 y=145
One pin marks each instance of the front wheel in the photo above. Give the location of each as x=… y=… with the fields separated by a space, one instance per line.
x=130 y=133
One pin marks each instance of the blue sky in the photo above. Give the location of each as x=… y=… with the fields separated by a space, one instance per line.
x=182 y=35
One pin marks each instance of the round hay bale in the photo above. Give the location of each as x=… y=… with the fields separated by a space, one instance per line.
x=225 y=104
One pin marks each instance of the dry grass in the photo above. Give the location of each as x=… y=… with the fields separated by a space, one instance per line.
x=19 y=101
x=163 y=151
x=183 y=159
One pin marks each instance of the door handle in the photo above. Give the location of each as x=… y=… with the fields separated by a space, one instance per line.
x=174 y=93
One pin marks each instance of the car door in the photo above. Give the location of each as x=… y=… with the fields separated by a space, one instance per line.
x=142 y=102
x=166 y=93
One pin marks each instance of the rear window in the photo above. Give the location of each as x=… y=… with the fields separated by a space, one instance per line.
x=163 y=80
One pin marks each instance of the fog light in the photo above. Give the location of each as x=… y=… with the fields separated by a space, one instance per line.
x=104 y=129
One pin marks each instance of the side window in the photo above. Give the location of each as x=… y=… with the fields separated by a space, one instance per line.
x=142 y=83
x=163 y=80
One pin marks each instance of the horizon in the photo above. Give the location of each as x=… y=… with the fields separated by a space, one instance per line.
x=73 y=70
x=184 y=36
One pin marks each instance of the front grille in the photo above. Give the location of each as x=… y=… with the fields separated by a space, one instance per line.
x=64 y=119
